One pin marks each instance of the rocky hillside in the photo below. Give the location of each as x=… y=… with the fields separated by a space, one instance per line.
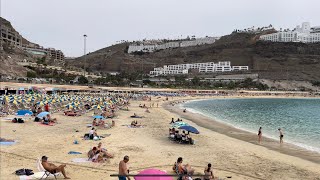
x=286 y=61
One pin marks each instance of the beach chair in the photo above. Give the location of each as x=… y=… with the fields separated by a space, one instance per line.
x=46 y=173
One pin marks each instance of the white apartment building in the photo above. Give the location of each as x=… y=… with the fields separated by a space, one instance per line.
x=208 y=67
x=304 y=34
x=174 y=44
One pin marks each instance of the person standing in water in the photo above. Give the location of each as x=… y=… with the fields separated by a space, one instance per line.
x=260 y=134
x=281 y=136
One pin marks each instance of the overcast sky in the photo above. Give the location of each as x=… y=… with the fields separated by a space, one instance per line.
x=62 y=23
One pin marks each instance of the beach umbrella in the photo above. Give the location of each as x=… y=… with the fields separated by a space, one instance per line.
x=42 y=114
x=99 y=117
x=179 y=124
x=24 y=112
x=190 y=129
x=147 y=175
x=69 y=106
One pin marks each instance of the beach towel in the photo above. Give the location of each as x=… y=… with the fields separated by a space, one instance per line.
x=74 y=152
x=89 y=125
x=50 y=124
x=105 y=135
x=80 y=160
x=129 y=126
x=7 y=143
x=24 y=177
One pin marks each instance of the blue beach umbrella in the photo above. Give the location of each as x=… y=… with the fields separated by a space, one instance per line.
x=190 y=129
x=99 y=117
x=42 y=114
x=24 y=112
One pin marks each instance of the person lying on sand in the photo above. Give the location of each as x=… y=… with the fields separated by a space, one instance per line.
x=147 y=110
x=104 y=151
x=135 y=116
x=53 y=168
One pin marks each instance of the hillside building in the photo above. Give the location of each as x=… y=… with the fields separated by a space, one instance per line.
x=151 y=47
x=208 y=67
x=10 y=37
x=305 y=34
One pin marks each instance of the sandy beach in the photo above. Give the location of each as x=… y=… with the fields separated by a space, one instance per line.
x=147 y=147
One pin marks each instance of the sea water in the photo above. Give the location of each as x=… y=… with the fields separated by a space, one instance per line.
x=298 y=118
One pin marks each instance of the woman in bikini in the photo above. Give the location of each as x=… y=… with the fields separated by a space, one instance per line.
x=208 y=174
x=260 y=134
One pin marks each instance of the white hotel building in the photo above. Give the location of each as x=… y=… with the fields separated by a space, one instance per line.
x=305 y=34
x=208 y=67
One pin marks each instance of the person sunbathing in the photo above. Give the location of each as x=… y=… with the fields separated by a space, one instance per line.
x=98 y=157
x=183 y=169
x=101 y=123
x=53 y=168
x=134 y=123
x=92 y=152
x=104 y=151
x=135 y=116
x=147 y=110
x=94 y=122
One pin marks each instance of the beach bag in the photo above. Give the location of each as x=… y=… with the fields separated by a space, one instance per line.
x=22 y=172
x=20 y=120
x=86 y=136
x=36 y=119
x=14 y=120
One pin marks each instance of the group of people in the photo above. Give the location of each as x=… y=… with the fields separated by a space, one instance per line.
x=260 y=135
x=178 y=120
x=38 y=109
x=185 y=171
x=180 y=137
x=48 y=119
x=99 y=123
x=99 y=154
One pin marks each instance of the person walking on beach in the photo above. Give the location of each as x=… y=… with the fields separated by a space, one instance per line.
x=123 y=169
x=281 y=136
x=260 y=134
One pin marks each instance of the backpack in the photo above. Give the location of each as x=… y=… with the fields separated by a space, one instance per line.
x=14 y=120
x=20 y=120
x=21 y=172
x=36 y=119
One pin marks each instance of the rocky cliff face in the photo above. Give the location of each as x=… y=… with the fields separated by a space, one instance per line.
x=286 y=61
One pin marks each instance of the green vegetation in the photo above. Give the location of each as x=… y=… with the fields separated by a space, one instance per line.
x=31 y=74
x=315 y=83
x=83 y=80
x=41 y=60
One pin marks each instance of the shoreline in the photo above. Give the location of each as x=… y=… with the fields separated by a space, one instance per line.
x=240 y=134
